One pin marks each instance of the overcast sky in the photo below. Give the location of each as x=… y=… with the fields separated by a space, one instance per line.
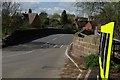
x=49 y=7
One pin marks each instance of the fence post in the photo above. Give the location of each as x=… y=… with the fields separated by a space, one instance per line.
x=113 y=48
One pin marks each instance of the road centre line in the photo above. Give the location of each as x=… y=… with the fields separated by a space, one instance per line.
x=61 y=46
x=54 y=39
x=55 y=46
x=19 y=54
x=62 y=35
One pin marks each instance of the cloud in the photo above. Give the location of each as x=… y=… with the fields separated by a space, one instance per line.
x=37 y=7
x=29 y=5
x=52 y=10
x=43 y=0
x=58 y=10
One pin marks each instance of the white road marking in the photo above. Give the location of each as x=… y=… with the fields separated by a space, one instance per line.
x=47 y=42
x=62 y=35
x=66 y=53
x=55 y=46
x=61 y=46
x=54 y=39
x=19 y=54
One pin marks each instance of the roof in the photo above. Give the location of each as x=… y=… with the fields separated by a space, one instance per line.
x=81 y=19
x=30 y=16
x=88 y=26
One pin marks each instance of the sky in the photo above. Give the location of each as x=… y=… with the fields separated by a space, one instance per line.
x=49 y=7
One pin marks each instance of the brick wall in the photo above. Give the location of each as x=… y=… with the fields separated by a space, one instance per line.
x=85 y=46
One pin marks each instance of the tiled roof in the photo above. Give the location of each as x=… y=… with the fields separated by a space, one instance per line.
x=88 y=26
x=30 y=16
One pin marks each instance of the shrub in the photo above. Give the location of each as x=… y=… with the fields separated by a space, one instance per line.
x=114 y=65
x=25 y=26
x=91 y=60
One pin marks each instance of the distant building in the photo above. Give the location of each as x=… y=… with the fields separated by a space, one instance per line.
x=33 y=19
x=88 y=26
x=85 y=22
x=81 y=21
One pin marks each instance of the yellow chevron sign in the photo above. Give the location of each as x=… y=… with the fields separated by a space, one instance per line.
x=105 y=49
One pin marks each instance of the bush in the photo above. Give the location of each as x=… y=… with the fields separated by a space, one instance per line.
x=114 y=65
x=55 y=23
x=25 y=26
x=91 y=60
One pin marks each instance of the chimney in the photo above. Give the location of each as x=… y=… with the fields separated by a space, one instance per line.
x=30 y=11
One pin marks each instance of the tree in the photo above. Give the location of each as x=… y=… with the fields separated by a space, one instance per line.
x=109 y=13
x=71 y=18
x=64 y=18
x=103 y=12
x=55 y=23
x=9 y=9
x=55 y=16
x=90 y=8
x=43 y=15
x=43 y=18
x=16 y=22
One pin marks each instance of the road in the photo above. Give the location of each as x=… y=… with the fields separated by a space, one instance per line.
x=41 y=58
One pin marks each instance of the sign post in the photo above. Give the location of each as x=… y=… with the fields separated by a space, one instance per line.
x=105 y=50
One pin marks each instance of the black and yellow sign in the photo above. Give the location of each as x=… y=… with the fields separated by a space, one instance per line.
x=105 y=49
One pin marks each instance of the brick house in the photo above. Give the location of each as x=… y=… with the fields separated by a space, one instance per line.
x=84 y=22
x=33 y=19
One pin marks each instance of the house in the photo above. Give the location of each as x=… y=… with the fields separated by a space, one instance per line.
x=81 y=21
x=88 y=26
x=33 y=19
x=84 y=22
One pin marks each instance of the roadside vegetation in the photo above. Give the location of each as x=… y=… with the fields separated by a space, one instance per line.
x=92 y=61
x=102 y=13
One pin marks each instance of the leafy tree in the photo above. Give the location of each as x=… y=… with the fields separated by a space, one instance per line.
x=43 y=18
x=71 y=18
x=9 y=9
x=103 y=12
x=64 y=18
x=47 y=22
x=55 y=23
x=16 y=22
x=109 y=13
x=90 y=8
x=55 y=16
x=43 y=15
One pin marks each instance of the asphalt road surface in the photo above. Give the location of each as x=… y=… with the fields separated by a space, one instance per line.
x=41 y=58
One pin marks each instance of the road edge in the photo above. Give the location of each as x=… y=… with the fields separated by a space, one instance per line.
x=66 y=53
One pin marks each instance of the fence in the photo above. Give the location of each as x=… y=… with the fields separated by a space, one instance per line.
x=116 y=47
